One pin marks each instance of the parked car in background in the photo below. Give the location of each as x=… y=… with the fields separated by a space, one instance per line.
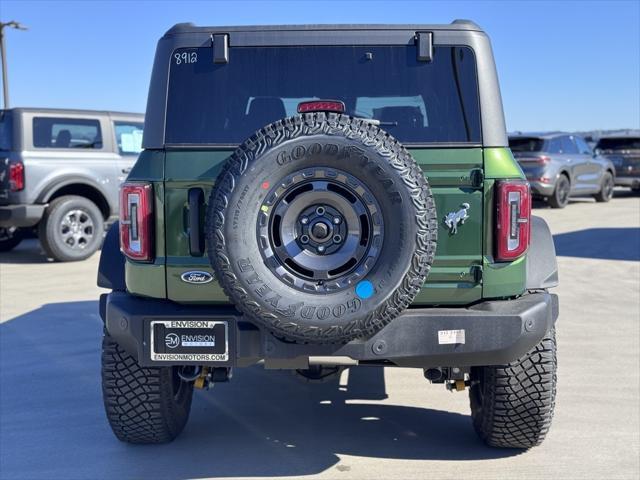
x=559 y=166
x=624 y=153
x=60 y=171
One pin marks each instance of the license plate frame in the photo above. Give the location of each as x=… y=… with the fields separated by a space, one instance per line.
x=201 y=345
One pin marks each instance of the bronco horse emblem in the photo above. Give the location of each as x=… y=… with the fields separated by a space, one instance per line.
x=453 y=219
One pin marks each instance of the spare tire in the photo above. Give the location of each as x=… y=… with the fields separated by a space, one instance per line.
x=322 y=228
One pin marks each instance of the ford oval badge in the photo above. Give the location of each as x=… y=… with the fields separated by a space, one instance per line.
x=196 y=276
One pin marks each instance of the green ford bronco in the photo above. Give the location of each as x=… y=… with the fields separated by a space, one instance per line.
x=322 y=197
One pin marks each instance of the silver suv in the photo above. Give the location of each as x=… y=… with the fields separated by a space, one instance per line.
x=561 y=165
x=60 y=171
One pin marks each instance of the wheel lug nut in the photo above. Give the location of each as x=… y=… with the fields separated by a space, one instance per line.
x=304 y=239
x=321 y=249
x=320 y=210
x=304 y=220
x=337 y=238
x=336 y=220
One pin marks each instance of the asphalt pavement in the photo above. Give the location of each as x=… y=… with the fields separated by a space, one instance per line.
x=376 y=424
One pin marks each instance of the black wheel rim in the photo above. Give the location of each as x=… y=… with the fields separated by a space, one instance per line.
x=320 y=230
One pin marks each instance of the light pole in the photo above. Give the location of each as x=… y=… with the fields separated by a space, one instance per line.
x=3 y=53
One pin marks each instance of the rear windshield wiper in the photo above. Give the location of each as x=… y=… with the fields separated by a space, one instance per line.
x=375 y=121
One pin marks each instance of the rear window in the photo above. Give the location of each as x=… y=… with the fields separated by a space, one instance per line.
x=417 y=102
x=627 y=143
x=49 y=132
x=6 y=130
x=526 y=144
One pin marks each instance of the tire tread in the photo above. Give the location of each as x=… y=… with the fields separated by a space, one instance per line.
x=518 y=399
x=138 y=401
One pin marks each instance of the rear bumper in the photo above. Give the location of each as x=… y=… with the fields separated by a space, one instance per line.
x=542 y=189
x=633 y=182
x=496 y=332
x=20 y=215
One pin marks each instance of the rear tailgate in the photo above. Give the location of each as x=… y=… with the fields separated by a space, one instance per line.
x=455 y=176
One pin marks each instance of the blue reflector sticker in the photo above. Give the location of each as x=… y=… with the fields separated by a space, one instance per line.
x=364 y=289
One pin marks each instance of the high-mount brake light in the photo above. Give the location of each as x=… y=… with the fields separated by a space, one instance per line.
x=16 y=177
x=513 y=226
x=136 y=220
x=321 y=106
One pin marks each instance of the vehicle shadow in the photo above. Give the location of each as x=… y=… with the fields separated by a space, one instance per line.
x=262 y=423
x=603 y=243
x=28 y=251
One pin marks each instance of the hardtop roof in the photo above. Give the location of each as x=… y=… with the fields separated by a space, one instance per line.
x=460 y=33
x=456 y=25
x=74 y=111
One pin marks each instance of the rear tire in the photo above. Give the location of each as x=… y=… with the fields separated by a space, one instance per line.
x=143 y=405
x=606 y=189
x=512 y=405
x=71 y=229
x=560 y=196
x=10 y=238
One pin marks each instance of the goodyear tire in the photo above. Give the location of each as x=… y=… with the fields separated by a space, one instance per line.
x=143 y=405
x=322 y=228
x=512 y=405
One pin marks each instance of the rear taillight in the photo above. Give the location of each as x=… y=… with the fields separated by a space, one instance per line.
x=540 y=160
x=136 y=220
x=513 y=227
x=16 y=177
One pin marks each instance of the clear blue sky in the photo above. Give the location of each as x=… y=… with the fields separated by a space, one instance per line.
x=566 y=65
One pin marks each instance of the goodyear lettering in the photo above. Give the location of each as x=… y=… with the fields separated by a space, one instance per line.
x=315 y=149
x=291 y=310
x=331 y=149
x=263 y=290
x=307 y=311
x=354 y=305
x=253 y=278
x=245 y=265
x=339 y=310
x=298 y=152
x=273 y=301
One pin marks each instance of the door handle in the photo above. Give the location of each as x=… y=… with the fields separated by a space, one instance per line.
x=196 y=233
